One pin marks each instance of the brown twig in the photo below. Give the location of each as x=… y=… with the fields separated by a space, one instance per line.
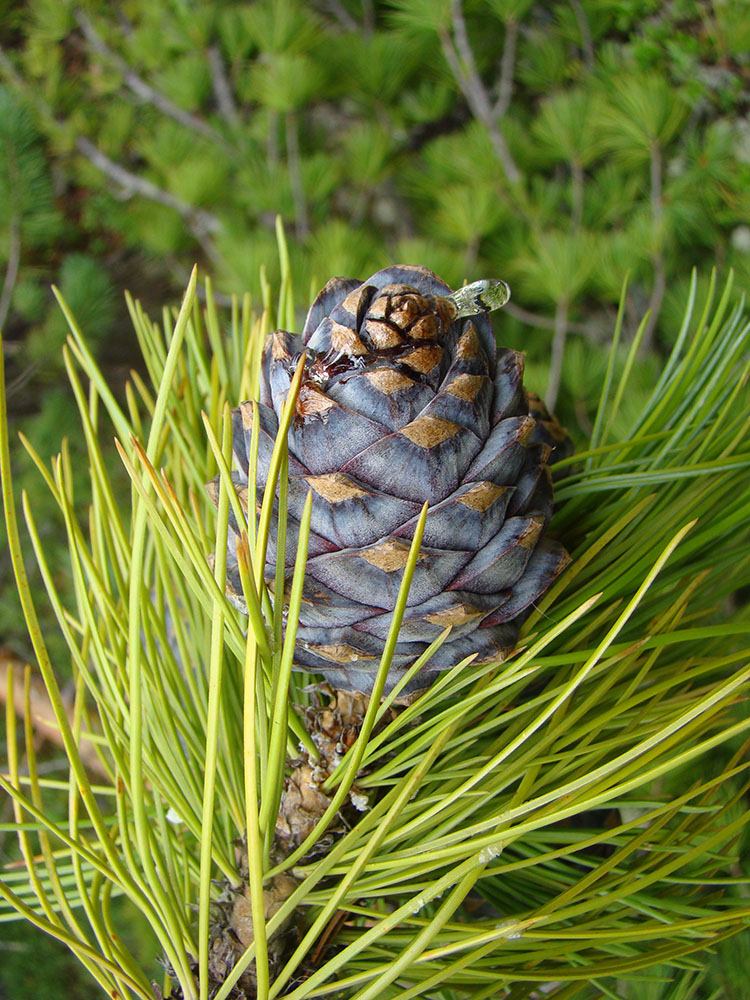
x=328 y=936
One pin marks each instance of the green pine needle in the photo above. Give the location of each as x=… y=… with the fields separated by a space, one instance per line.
x=542 y=821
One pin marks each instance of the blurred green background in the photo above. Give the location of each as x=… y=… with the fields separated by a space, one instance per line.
x=560 y=145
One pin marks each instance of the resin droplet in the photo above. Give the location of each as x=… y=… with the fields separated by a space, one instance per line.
x=480 y=297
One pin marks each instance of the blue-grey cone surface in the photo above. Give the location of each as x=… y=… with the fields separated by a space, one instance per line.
x=405 y=398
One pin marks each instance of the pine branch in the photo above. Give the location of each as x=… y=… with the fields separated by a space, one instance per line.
x=558 y=353
x=577 y=179
x=144 y=90
x=657 y=259
x=507 y=66
x=587 y=45
x=486 y=768
x=302 y=227
x=460 y=58
x=202 y=223
x=340 y=13
x=545 y=322
x=222 y=88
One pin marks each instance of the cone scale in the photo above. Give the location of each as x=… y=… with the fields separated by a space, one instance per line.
x=405 y=398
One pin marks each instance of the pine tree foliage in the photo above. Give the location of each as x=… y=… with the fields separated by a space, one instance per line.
x=547 y=823
x=27 y=213
x=618 y=124
x=33 y=239
x=561 y=146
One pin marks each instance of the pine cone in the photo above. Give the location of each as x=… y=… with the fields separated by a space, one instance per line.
x=405 y=399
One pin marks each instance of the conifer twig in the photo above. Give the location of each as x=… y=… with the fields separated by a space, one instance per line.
x=507 y=66
x=142 y=89
x=301 y=226
x=657 y=257
x=341 y=14
x=221 y=85
x=587 y=45
x=558 y=353
x=460 y=58
x=202 y=223
x=544 y=322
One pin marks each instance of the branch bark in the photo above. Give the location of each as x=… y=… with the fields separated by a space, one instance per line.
x=222 y=87
x=460 y=58
x=657 y=258
x=587 y=45
x=202 y=224
x=507 y=67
